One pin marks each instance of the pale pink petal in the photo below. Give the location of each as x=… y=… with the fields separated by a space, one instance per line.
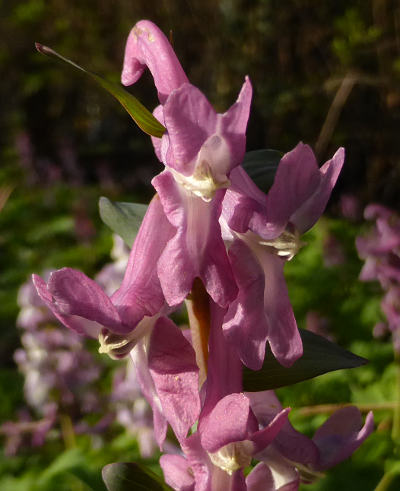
x=77 y=324
x=223 y=480
x=308 y=212
x=177 y=472
x=245 y=202
x=260 y=479
x=74 y=293
x=266 y=436
x=283 y=335
x=197 y=249
x=341 y=435
x=172 y=364
x=148 y=46
x=291 y=444
x=284 y=473
x=226 y=423
x=140 y=293
x=295 y=182
x=252 y=319
x=140 y=361
x=190 y=120
x=224 y=375
x=234 y=123
x=199 y=460
x=245 y=324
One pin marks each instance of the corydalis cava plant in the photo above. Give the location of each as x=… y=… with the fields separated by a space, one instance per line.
x=212 y=238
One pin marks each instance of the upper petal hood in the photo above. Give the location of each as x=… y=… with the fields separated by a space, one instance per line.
x=148 y=46
x=191 y=121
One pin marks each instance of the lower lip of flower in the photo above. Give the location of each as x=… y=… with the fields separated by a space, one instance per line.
x=233 y=456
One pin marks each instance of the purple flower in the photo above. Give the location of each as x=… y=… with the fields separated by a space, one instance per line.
x=216 y=455
x=120 y=320
x=228 y=435
x=199 y=150
x=167 y=373
x=293 y=457
x=380 y=250
x=264 y=232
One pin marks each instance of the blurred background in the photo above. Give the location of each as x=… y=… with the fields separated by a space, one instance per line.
x=326 y=73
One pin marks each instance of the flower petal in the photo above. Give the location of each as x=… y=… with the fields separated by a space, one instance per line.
x=77 y=324
x=234 y=123
x=276 y=474
x=197 y=249
x=140 y=293
x=292 y=444
x=245 y=324
x=172 y=364
x=224 y=367
x=177 y=472
x=199 y=460
x=190 y=120
x=260 y=479
x=283 y=335
x=148 y=46
x=140 y=361
x=310 y=210
x=266 y=436
x=295 y=182
x=341 y=435
x=226 y=423
x=75 y=294
x=244 y=202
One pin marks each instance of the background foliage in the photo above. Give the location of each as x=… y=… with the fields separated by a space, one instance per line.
x=324 y=72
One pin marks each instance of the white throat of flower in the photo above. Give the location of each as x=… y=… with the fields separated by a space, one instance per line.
x=117 y=346
x=234 y=456
x=210 y=170
x=286 y=245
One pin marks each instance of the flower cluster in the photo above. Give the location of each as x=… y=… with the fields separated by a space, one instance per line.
x=381 y=252
x=212 y=239
x=61 y=375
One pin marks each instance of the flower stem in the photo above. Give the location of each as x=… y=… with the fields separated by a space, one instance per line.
x=330 y=408
x=67 y=431
x=396 y=413
x=198 y=307
x=386 y=481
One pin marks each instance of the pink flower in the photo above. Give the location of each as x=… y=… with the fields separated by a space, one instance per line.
x=264 y=231
x=199 y=150
x=129 y=313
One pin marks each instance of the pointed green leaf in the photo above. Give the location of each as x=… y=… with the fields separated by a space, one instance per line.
x=142 y=116
x=261 y=166
x=123 y=218
x=129 y=476
x=320 y=356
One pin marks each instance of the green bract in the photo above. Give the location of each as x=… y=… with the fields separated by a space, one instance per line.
x=126 y=476
x=319 y=356
x=142 y=116
x=123 y=218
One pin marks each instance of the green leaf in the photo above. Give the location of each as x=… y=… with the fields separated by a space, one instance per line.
x=142 y=116
x=320 y=356
x=261 y=166
x=129 y=476
x=123 y=218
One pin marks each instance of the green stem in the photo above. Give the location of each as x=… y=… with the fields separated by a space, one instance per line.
x=67 y=431
x=396 y=413
x=330 y=408
x=386 y=481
